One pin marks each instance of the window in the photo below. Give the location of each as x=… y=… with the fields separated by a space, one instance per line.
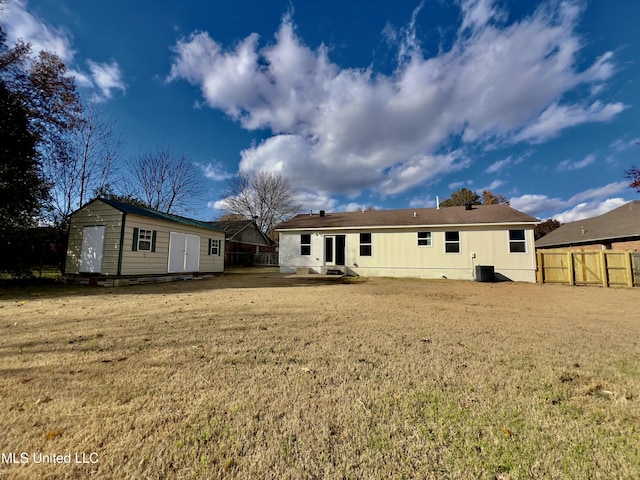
x=517 y=242
x=424 y=239
x=452 y=242
x=305 y=244
x=365 y=244
x=144 y=240
x=214 y=247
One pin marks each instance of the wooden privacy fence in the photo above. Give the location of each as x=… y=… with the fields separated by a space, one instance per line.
x=607 y=268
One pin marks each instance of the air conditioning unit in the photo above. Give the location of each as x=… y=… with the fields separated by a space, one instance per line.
x=485 y=273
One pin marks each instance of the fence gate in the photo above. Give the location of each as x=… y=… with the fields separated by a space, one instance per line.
x=608 y=268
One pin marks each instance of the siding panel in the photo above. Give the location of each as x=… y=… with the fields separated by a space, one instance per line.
x=96 y=213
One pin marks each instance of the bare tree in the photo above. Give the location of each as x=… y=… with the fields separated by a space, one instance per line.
x=84 y=161
x=266 y=197
x=165 y=179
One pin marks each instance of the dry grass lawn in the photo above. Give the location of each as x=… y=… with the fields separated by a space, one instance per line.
x=258 y=376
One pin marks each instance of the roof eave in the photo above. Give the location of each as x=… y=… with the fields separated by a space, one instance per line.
x=441 y=225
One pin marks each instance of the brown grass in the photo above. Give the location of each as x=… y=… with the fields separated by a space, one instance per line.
x=258 y=376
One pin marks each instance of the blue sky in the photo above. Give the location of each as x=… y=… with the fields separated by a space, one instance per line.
x=385 y=104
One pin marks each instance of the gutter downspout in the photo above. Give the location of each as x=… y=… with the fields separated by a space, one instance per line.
x=122 y=225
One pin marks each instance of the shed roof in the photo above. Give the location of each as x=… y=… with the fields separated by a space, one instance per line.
x=619 y=223
x=150 y=213
x=419 y=217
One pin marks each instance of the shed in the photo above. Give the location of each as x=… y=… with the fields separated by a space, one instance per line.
x=244 y=240
x=110 y=238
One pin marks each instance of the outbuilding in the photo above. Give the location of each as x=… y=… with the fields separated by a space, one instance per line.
x=482 y=242
x=110 y=238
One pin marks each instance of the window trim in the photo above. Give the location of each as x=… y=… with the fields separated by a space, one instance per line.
x=522 y=241
x=144 y=235
x=215 y=244
x=304 y=246
x=367 y=245
x=428 y=239
x=452 y=242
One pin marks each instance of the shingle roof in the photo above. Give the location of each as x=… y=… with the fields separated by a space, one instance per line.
x=622 y=222
x=148 y=212
x=479 y=214
x=234 y=227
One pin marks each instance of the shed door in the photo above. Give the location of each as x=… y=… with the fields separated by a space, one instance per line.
x=192 y=259
x=184 y=253
x=92 y=248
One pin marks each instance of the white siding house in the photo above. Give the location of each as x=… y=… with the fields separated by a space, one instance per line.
x=110 y=238
x=426 y=243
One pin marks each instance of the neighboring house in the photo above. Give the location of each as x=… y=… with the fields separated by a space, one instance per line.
x=111 y=238
x=244 y=240
x=427 y=242
x=618 y=229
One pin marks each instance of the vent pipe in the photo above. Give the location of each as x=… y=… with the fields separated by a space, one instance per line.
x=322 y=212
x=437 y=202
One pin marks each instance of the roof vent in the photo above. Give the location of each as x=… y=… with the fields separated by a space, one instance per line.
x=415 y=214
x=468 y=206
x=322 y=212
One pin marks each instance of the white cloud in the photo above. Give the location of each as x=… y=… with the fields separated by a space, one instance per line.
x=621 y=145
x=345 y=130
x=493 y=185
x=568 y=165
x=557 y=117
x=21 y=24
x=422 y=202
x=106 y=77
x=214 y=171
x=499 y=165
x=589 y=209
x=585 y=201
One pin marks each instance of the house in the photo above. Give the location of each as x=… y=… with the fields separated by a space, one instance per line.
x=243 y=241
x=426 y=242
x=109 y=238
x=618 y=229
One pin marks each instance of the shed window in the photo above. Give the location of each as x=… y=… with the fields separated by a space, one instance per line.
x=144 y=240
x=305 y=244
x=452 y=242
x=214 y=247
x=365 y=245
x=424 y=239
x=517 y=242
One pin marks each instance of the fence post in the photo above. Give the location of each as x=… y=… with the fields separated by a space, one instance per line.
x=540 y=267
x=629 y=269
x=604 y=269
x=570 y=267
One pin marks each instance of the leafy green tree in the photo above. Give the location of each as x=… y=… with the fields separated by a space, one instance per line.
x=39 y=107
x=490 y=198
x=462 y=197
x=546 y=227
x=23 y=191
